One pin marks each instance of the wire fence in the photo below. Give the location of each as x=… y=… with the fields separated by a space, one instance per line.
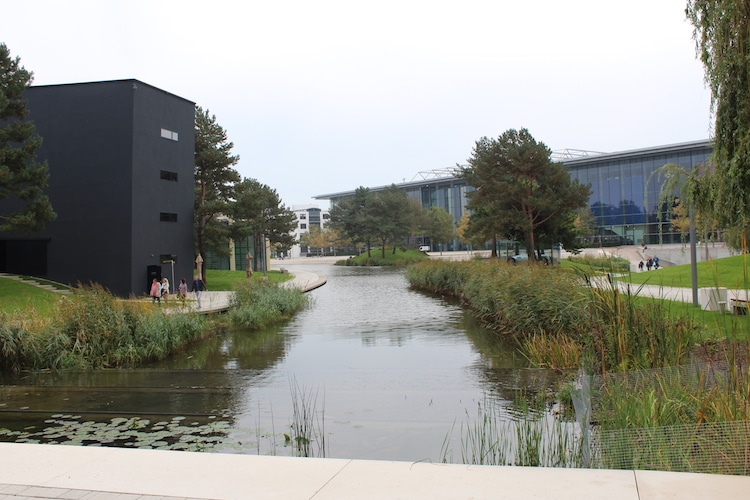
x=621 y=419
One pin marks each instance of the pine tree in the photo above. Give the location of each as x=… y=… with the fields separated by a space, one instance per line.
x=519 y=191
x=22 y=178
x=215 y=180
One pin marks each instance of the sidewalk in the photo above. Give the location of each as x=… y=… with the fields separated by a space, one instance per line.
x=217 y=302
x=83 y=472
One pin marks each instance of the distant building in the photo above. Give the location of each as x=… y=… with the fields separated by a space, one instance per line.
x=120 y=157
x=308 y=216
x=624 y=194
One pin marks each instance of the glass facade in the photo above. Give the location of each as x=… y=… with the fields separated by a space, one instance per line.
x=624 y=192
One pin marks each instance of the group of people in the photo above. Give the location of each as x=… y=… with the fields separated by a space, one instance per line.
x=160 y=290
x=651 y=263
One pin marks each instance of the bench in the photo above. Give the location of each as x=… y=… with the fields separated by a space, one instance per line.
x=738 y=306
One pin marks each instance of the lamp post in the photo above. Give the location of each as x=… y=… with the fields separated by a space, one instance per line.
x=171 y=261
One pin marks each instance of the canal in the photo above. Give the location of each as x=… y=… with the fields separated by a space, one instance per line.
x=371 y=370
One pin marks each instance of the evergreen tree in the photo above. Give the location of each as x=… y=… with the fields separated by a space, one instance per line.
x=214 y=184
x=22 y=178
x=257 y=211
x=520 y=191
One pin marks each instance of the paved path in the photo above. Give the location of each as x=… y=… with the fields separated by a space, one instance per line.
x=79 y=472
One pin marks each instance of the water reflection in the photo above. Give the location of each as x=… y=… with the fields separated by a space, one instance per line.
x=393 y=370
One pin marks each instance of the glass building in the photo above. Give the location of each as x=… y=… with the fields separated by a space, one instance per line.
x=624 y=192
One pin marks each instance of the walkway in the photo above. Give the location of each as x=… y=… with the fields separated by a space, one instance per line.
x=217 y=302
x=77 y=472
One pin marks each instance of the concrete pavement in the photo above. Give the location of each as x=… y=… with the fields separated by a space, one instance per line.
x=76 y=472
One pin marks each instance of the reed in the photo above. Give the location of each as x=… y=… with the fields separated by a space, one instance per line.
x=552 y=311
x=692 y=418
x=534 y=439
x=92 y=329
x=308 y=425
x=257 y=304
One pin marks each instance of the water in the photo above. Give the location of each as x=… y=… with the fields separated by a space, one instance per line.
x=387 y=371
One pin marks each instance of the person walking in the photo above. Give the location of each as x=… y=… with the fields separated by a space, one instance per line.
x=198 y=287
x=182 y=290
x=155 y=291
x=165 y=289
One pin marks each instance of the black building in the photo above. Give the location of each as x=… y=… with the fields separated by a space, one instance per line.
x=120 y=157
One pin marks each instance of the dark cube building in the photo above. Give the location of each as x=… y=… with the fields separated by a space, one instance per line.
x=120 y=157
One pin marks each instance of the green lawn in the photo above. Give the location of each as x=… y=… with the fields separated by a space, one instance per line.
x=729 y=272
x=400 y=258
x=16 y=296
x=217 y=281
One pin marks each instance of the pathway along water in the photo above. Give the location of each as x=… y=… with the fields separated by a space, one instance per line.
x=385 y=372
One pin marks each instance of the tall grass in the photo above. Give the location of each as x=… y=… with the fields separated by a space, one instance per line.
x=308 y=425
x=558 y=318
x=537 y=439
x=92 y=329
x=691 y=418
x=257 y=304
x=628 y=334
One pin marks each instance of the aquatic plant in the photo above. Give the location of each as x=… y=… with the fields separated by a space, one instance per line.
x=257 y=304
x=537 y=439
x=308 y=425
x=177 y=433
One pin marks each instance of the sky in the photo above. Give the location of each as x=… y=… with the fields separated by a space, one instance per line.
x=324 y=96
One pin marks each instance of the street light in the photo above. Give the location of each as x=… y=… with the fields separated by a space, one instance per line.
x=171 y=261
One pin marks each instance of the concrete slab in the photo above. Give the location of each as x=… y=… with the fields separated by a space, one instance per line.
x=677 y=485
x=376 y=480
x=56 y=471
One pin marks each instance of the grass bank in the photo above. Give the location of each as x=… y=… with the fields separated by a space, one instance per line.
x=93 y=329
x=90 y=329
x=400 y=258
x=729 y=272
x=558 y=320
x=225 y=280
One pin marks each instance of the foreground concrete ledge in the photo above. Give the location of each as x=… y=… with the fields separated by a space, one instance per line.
x=57 y=471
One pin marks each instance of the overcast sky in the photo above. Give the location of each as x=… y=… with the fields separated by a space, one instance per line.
x=324 y=96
